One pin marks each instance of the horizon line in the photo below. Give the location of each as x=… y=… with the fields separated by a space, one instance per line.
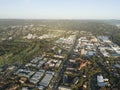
x=50 y=19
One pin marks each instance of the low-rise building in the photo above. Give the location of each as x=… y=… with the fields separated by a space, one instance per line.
x=64 y=88
x=24 y=73
x=47 y=78
x=101 y=82
x=37 y=76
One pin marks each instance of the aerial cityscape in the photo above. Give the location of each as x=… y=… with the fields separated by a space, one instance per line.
x=51 y=55
x=59 y=45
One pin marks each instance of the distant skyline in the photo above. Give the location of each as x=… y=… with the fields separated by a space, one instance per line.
x=59 y=9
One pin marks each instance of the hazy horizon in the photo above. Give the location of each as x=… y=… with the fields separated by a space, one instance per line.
x=60 y=9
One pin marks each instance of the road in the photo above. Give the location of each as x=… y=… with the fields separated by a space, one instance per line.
x=64 y=66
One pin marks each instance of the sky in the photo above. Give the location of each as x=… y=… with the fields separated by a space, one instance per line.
x=60 y=9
